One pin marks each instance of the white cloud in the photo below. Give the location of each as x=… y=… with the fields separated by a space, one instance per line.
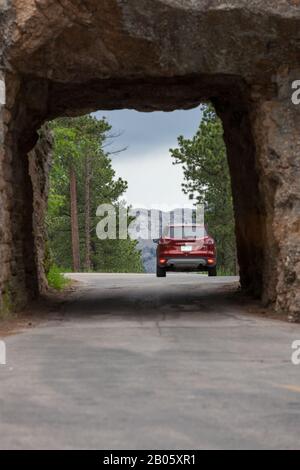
x=152 y=179
x=147 y=164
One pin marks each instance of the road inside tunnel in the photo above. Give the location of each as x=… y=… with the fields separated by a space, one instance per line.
x=132 y=361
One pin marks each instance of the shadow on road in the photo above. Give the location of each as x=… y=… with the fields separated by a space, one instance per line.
x=148 y=297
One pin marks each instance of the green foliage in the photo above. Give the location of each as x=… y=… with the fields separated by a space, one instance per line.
x=119 y=256
x=75 y=139
x=56 y=279
x=207 y=180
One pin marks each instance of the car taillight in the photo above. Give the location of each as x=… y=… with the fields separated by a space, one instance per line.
x=162 y=260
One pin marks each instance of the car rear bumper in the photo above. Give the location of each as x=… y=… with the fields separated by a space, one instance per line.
x=187 y=263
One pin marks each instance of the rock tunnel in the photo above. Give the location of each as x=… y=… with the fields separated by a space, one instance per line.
x=70 y=57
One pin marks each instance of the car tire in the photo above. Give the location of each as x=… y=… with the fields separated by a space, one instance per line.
x=212 y=272
x=160 y=272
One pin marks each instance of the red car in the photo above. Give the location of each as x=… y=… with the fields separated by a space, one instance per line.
x=186 y=248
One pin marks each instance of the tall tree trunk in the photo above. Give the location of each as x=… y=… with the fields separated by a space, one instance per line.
x=74 y=221
x=87 y=214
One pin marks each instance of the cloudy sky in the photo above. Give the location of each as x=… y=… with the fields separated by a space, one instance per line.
x=147 y=164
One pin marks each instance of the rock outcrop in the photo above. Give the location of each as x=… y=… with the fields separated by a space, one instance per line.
x=69 y=57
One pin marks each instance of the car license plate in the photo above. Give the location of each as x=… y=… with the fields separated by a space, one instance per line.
x=186 y=248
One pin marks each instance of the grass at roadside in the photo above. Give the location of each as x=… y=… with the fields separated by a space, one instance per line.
x=225 y=272
x=56 y=278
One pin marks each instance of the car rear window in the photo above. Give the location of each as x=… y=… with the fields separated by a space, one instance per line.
x=185 y=232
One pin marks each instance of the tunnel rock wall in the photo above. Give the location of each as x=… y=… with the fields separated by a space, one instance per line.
x=276 y=126
x=18 y=273
x=5 y=250
x=40 y=159
x=24 y=185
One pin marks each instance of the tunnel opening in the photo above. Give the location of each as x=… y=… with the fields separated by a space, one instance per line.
x=151 y=183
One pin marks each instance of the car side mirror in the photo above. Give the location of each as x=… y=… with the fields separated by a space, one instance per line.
x=156 y=241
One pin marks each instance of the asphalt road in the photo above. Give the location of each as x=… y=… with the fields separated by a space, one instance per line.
x=135 y=362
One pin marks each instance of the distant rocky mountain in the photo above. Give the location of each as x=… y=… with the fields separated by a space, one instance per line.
x=148 y=249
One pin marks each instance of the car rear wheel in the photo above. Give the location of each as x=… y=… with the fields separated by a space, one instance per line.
x=212 y=272
x=160 y=272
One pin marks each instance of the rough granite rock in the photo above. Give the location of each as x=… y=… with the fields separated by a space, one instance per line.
x=65 y=57
x=39 y=169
